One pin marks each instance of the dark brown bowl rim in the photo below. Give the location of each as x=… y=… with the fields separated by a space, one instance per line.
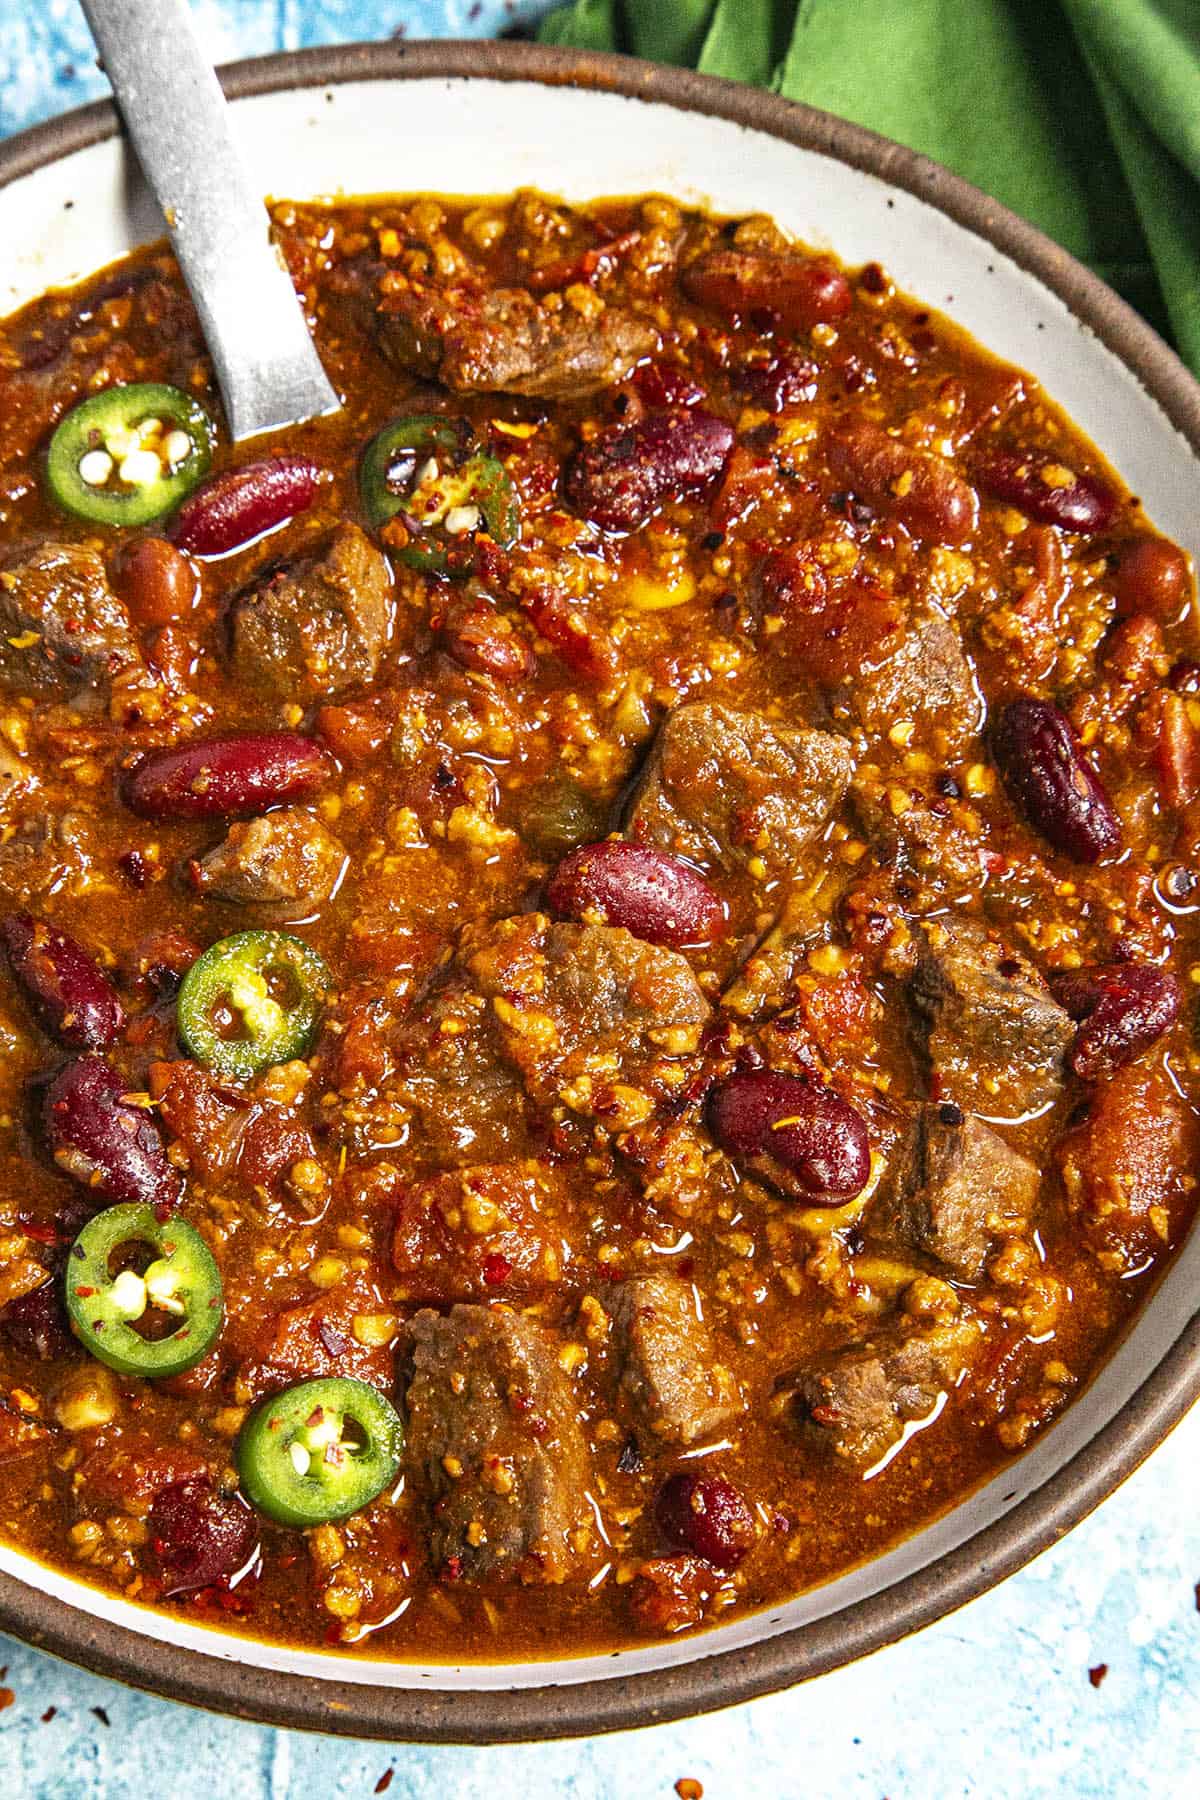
x=422 y=1714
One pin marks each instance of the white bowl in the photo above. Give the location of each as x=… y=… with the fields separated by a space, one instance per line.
x=466 y=119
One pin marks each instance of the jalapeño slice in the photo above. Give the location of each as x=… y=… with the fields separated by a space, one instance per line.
x=129 y=454
x=129 y=1269
x=319 y=1451
x=426 y=472
x=252 y=1000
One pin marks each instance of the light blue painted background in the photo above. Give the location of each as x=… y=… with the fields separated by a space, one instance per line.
x=994 y=1702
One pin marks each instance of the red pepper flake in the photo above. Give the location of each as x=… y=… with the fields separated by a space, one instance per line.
x=48 y=1714
x=688 y=1788
x=384 y=1782
x=1096 y=1675
x=6 y=1697
x=496 y=1268
x=1197 y=1592
x=99 y=1713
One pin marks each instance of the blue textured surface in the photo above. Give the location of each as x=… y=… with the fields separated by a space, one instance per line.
x=993 y=1702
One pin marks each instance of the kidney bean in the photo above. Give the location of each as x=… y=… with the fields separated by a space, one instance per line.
x=656 y=896
x=1152 y=576
x=72 y=998
x=801 y=292
x=1048 y=776
x=105 y=1142
x=199 y=1536
x=157 y=583
x=625 y=474
x=228 y=777
x=480 y=637
x=706 y=1515
x=916 y=487
x=1177 y=752
x=234 y=508
x=1045 y=489
x=665 y=384
x=783 y=381
x=795 y=1133
x=1124 y=1008
x=36 y=1323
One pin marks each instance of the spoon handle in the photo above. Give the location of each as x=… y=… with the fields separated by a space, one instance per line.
x=175 y=113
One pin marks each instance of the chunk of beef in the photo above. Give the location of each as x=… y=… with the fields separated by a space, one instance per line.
x=505 y=341
x=670 y=1376
x=854 y=1403
x=927 y=677
x=285 y=865
x=495 y=1447
x=47 y=853
x=316 y=625
x=487 y=1232
x=953 y=1187
x=996 y=1037
x=1127 y=1169
x=568 y=994
x=61 y=626
x=520 y=1015
x=726 y=789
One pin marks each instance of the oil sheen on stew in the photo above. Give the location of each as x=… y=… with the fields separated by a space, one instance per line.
x=597 y=951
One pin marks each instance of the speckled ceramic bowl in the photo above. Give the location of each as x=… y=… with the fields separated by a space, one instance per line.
x=461 y=118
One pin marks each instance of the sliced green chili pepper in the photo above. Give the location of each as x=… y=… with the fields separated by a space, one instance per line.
x=252 y=1000
x=179 y=1287
x=319 y=1451
x=427 y=470
x=130 y=454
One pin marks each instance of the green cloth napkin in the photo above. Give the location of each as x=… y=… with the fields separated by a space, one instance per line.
x=1082 y=115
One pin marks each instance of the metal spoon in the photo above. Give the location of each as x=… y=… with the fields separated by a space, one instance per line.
x=267 y=366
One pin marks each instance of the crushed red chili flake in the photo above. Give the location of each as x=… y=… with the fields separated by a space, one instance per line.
x=384 y=1782
x=49 y=1714
x=1096 y=1675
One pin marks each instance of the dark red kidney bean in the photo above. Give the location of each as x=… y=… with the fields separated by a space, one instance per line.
x=800 y=292
x=916 y=487
x=795 y=1133
x=1083 y=503
x=706 y=1515
x=199 y=1536
x=227 y=777
x=783 y=381
x=36 y=1323
x=656 y=896
x=1048 y=776
x=1152 y=576
x=71 y=997
x=157 y=583
x=625 y=474
x=1124 y=1008
x=102 y=1140
x=234 y=508
x=665 y=384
